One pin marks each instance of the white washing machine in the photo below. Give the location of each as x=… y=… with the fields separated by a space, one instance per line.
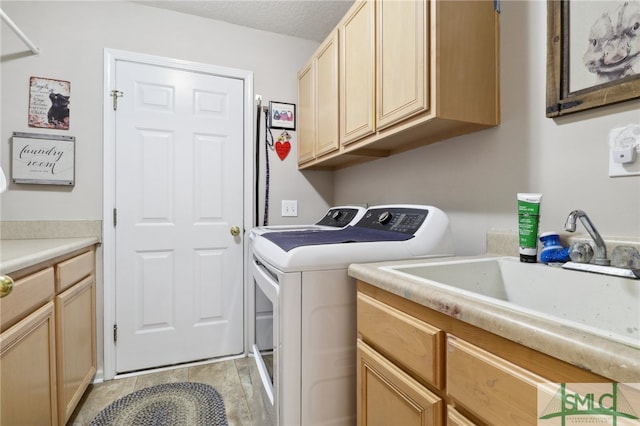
x=309 y=369
x=335 y=218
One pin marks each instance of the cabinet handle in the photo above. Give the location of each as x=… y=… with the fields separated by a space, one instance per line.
x=6 y=285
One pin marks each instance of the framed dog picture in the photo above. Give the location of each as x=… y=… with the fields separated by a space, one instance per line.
x=49 y=103
x=282 y=116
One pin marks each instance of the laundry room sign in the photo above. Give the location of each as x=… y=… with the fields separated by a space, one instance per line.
x=43 y=159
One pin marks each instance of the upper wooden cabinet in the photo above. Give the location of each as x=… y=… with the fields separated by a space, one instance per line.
x=411 y=73
x=318 y=102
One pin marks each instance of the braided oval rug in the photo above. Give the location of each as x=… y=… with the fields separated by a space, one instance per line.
x=168 y=404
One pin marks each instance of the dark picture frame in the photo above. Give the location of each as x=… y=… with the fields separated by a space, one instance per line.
x=567 y=93
x=282 y=115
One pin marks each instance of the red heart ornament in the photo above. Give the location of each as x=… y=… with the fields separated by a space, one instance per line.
x=282 y=149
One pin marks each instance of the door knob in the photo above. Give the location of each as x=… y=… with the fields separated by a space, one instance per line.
x=235 y=231
x=6 y=285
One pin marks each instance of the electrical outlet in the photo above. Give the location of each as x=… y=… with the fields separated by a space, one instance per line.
x=289 y=208
x=624 y=144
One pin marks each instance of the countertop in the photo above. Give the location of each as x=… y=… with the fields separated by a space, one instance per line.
x=609 y=358
x=22 y=253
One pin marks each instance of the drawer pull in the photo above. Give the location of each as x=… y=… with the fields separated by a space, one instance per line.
x=6 y=285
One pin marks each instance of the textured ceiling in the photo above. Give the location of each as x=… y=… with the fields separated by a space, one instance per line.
x=307 y=19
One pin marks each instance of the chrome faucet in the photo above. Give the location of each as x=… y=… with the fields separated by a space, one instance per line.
x=601 y=249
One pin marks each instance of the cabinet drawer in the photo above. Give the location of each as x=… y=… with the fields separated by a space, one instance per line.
x=29 y=293
x=73 y=270
x=409 y=342
x=492 y=388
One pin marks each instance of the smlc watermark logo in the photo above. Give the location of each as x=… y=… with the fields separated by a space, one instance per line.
x=563 y=404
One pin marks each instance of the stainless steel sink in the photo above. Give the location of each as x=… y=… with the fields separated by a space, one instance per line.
x=605 y=305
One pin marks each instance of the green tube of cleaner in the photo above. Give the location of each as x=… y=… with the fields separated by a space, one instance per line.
x=528 y=221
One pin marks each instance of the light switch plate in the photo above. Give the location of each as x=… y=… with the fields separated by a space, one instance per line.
x=289 y=208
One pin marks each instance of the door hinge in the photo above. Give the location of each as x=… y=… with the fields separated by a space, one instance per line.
x=115 y=94
x=115 y=333
x=115 y=217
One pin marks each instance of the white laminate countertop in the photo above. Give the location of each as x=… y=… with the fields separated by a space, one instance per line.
x=23 y=253
x=609 y=358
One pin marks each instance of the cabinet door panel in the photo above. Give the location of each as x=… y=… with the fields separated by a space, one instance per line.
x=27 y=377
x=490 y=387
x=76 y=344
x=357 y=73
x=306 y=113
x=327 y=132
x=389 y=396
x=402 y=72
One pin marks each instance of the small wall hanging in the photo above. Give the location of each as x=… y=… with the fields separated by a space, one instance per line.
x=43 y=159
x=283 y=145
x=282 y=116
x=49 y=103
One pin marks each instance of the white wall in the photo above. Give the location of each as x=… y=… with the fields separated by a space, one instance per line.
x=475 y=178
x=72 y=36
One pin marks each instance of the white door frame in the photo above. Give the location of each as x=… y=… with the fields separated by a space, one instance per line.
x=108 y=230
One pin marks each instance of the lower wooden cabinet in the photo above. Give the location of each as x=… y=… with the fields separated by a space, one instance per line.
x=48 y=341
x=389 y=396
x=478 y=378
x=27 y=370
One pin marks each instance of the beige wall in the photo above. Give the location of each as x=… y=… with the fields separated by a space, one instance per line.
x=72 y=36
x=475 y=178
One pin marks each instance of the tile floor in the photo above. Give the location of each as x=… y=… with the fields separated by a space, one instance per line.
x=236 y=380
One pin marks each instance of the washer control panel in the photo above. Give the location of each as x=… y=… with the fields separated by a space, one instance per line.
x=338 y=217
x=398 y=219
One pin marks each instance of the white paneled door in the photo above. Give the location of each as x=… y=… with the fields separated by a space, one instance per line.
x=178 y=191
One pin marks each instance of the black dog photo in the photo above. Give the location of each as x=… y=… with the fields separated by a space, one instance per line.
x=49 y=101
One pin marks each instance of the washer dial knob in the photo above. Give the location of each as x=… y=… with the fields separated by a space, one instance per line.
x=384 y=218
